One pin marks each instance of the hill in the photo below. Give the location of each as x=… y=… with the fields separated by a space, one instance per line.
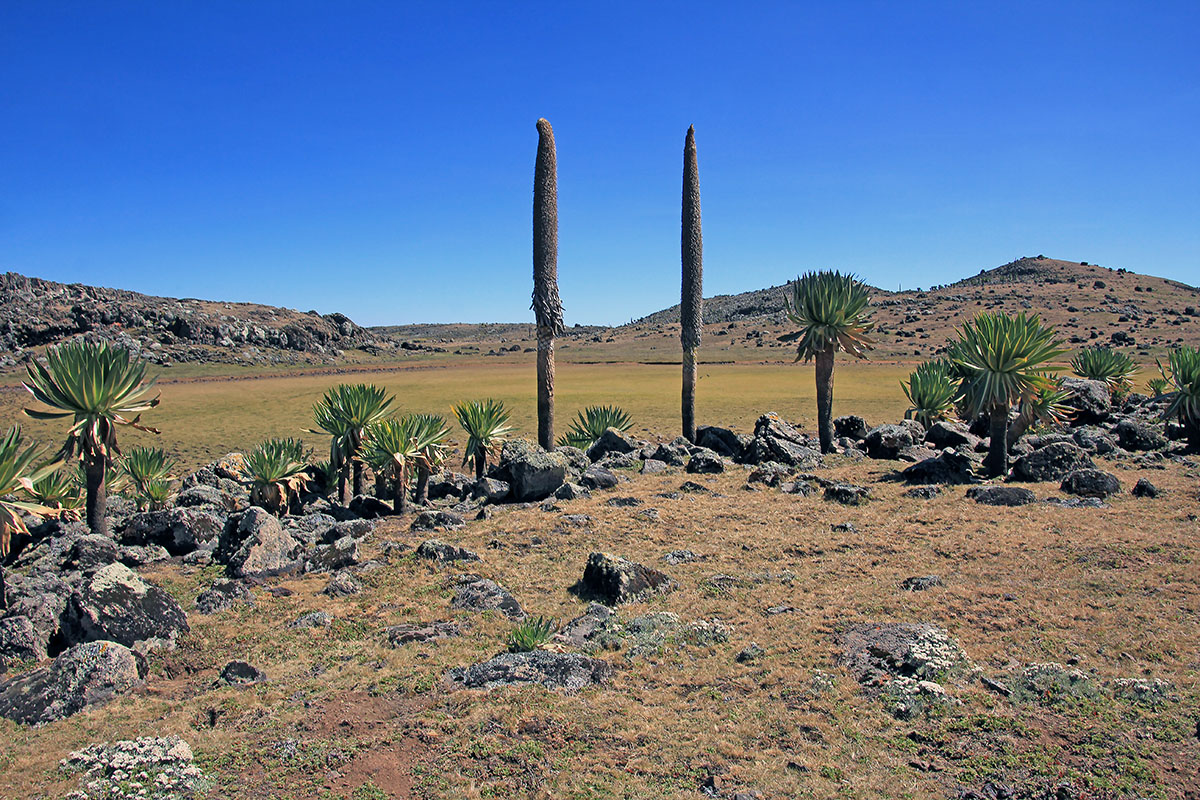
x=35 y=313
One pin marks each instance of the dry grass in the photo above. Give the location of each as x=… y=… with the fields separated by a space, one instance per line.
x=1116 y=588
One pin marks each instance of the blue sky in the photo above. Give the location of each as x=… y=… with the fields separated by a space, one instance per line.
x=377 y=158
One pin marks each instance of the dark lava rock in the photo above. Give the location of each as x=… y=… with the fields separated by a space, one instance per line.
x=624 y=502
x=776 y=440
x=19 y=641
x=342 y=584
x=571 y=491
x=653 y=466
x=1144 y=488
x=1095 y=440
x=1091 y=483
x=449 y=484
x=680 y=557
x=140 y=555
x=770 y=474
x=180 y=530
x=240 y=673
x=567 y=671
x=1001 y=495
x=442 y=552
x=851 y=426
x=920 y=584
x=598 y=478
x=313 y=619
x=579 y=631
x=332 y=557
x=1135 y=435
x=720 y=440
x=948 y=467
x=611 y=441
x=847 y=494
x=1076 y=502
x=114 y=604
x=1051 y=463
x=950 y=434
x=368 y=507
x=1090 y=400
x=671 y=454
x=490 y=490
x=437 y=521
x=886 y=441
x=254 y=545
x=398 y=635
x=91 y=552
x=749 y=654
x=222 y=595
x=705 y=462
x=923 y=492
x=85 y=675
x=613 y=580
x=474 y=593
x=691 y=487
x=532 y=473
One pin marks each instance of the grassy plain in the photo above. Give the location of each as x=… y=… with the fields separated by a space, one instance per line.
x=206 y=416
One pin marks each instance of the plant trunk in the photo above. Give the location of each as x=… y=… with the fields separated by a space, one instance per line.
x=480 y=466
x=97 y=495
x=343 y=485
x=547 y=307
x=689 y=394
x=423 y=473
x=400 y=494
x=381 y=485
x=1018 y=428
x=997 y=457
x=358 y=478
x=691 y=305
x=3 y=588
x=825 y=398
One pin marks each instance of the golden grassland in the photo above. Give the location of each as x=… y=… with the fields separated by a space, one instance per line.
x=345 y=716
x=204 y=418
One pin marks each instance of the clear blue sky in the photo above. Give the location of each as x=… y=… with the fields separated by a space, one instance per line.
x=377 y=158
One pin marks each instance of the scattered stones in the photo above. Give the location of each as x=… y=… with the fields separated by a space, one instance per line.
x=847 y=494
x=398 y=635
x=313 y=619
x=569 y=672
x=474 y=593
x=923 y=492
x=920 y=584
x=613 y=580
x=652 y=466
x=437 y=521
x=851 y=426
x=342 y=584
x=1144 y=488
x=1076 y=502
x=82 y=676
x=1136 y=435
x=240 y=673
x=223 y=595
x=442 y=552
x=624 y=502
x=1091 y=483
x=598 y=478
x=1001 y=495
x=680 y=557
x=691 y=487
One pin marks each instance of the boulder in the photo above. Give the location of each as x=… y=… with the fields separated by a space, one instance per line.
x=140 y=555
x=1095 y=440
x=948 y=467
x=333 y=557
x=851 y=426
x=368 y=507
x=449 y=484
x=571 y=491
x=1091 y=401
x=672 y=455
x=950 y=434
x=399 y=635
x=611 y=441
x=915 y=454
x=254 y=545
x=179 y=530
x=1144 y=488
x=437 y=521
x=223 y=595
x=720 y=440
x=532 y=473
x=490 y=490
x=904 y=663
x=43 y=600
x=474 y=593
x=598 y=478
x=847 y=494
x=240 y=673
x=91 y=552
x=85 y=675
x=923 y=492
x=342 y=584
x=613 y=580
x=19 y=641
x=1001 y=495
x=1091 y=483
x=1051 y=463
x=114 y=604
x=442 y=552
x=567 y=671
x=705 y=462
x=652 y=466
x=776 y=440
x=886 y=441
x=1136 y=435
x=579 y=631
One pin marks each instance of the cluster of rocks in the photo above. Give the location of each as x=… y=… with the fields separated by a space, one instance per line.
x=35 y=312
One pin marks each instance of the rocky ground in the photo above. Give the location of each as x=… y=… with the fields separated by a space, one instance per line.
x=740 y=618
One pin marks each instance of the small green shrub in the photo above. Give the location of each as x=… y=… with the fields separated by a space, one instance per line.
x=530 y=634
x=931 y=390
x=591 y=423
x=1105 y=364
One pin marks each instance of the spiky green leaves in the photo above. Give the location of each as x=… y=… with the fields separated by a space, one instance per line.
x=18 y=474
x=1183 y=384
x=276 y=470
x=931 y=390
x=345 y=412
x=392 y=447
x=591 y=423
x=1002 y=358
x=149 y=470
x=486 y=425
x=547 y=307
x=831 y=309
x=530 y=634
x=99 y=386
x=1105 y=364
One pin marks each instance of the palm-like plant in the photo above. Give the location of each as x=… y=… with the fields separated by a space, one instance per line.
x=1002 y=359
x=1158 y=386
x=58 y=490
x=18 y=474
x=833 y=312
x=691 y=303
x=149 y=470
x=591 y=423
x=344 y=414
x=1182 y=375
x=431 y=432
x=486 y=424
x=1048 y=405
x=547 y=307
x=1105 y=364
x=276 y=471
x=100 y=387
x=391 y=445
x=931 y=390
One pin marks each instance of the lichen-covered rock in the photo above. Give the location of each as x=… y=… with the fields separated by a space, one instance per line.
x=19 y=640
x=847 y=494
x=223 y=595
x=85 y=675
x=1001 y=495
x=1136 y=435
x=705 y=462
x=442 y=552
x=331 y=557
x=1091 y=400
x=945 y=434
x=720 y=440
x=851 y=426
x=474 y=593
x=254 y=545
x=1091 y=483
x=1051 y=463
x=163 y=766
x=179 y=530
x=437 y=521
x=567 y=671
x=90 y=553
x=613 y=580
x=949 y=467
x=398 y=635
x=903 y=663
x=611 y=441
x=114 y=604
